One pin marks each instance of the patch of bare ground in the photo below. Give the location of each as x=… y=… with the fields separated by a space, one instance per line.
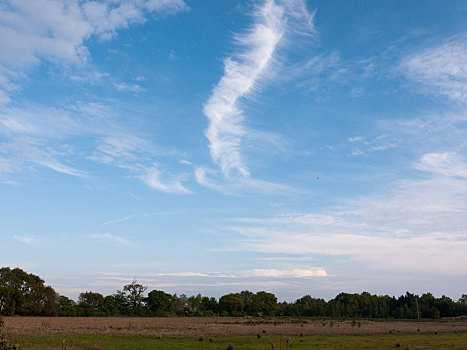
x=220 y=326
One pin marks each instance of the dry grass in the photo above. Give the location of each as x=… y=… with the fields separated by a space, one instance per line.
x=217 y=326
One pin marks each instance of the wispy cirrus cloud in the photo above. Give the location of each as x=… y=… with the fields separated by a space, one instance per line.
x=36 y=137
x=61 y=168
x=243 y=75
x=136 y=155
x=361 y=145
x=441 y=69
x=447 y=163
x=215 y=180
x=415 y=226
x=121 y=149
x=57 y=33
x=117 y=221
x=27 y=152
x=163 y=180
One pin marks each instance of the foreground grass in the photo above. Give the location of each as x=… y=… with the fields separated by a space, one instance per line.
x=453 y=341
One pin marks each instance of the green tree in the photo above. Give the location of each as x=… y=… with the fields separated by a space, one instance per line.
x=25 y=294
x=210 y=306
x=116 y=304
x=160 y=303
x=64 y=306
x=231 y=304
x=267 y=303
x=91 y=304
x=251 y=303
x=135 y=293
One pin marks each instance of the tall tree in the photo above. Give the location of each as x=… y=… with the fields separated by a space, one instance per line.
x=231 y=304
x=91 y=304
x=160 y=303
x=64 y=306
x=135 y=293
x=25 y=294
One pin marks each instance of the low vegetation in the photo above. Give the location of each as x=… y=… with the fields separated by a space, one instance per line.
x=124 y=342
x=4 y=344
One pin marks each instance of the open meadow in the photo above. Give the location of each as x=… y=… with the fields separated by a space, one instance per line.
x=240 y=333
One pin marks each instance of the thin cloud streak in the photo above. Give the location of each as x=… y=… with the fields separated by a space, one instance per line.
x=126 y=218
x=109 y=238
x=241 y=76
x=295 y=273
x=163 y=181
x=215 y=180
x=61 y=168
x=24 y=239
x=244 y=73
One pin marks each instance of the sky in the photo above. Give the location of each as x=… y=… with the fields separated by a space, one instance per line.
x=298 y=147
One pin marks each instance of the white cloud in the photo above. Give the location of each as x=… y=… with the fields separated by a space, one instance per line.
x=441 y=69
x=355 y=139
x=194 y=274
x=36 y=121
x=121 y=149
x=412 y=227
x=6 y=166
x=24 y=239
x=185 y=162
x=57 y=30
x=294 y=273
x=244 y=72
x=383 y=147
x=215 y=180
x=286 y=258
x=109 y=238
x=61 y=168
x=126 y=218
x=29 y=152
x=241 y=75
x=133 y=153
x=162 y=180
x=297 y=10
x=37 y=138
x=448 y=164
x=380 y=143
x=169 y=6
x=124 y=87
x=4 y=98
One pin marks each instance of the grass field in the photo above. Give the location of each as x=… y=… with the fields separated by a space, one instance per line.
x=139 y=342
x=120 y=333
x=224 y=326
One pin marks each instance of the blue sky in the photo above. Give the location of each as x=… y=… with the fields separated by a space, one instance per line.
x=216 y=146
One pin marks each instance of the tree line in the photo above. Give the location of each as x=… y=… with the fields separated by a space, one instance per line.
x=26 y=294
